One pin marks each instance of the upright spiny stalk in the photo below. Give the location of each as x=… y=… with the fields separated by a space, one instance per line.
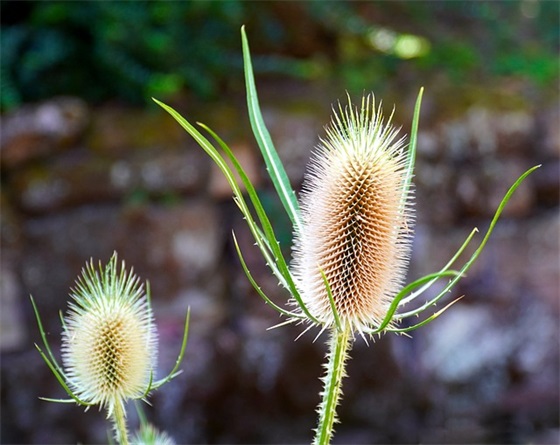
x=119 y=423
x=339 y=348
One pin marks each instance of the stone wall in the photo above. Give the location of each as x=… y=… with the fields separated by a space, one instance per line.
x=81 y=182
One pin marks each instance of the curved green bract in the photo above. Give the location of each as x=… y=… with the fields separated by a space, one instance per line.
x=265 y=238
x=426 y=321
x=257 y=287
x=417 y=293
x=401 y=295
x=175 y=372
x=51 y=362
x=478 y=251
x=272 y=244
x=411 y=155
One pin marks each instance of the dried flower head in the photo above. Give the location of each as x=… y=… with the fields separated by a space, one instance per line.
x=352 y=231
x=109 y=342
x=356 y=219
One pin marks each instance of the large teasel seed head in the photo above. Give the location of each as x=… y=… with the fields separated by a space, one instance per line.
x=357 y=217
x=109 y=343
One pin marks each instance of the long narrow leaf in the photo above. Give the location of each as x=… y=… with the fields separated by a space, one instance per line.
x=267 y=230
x=150 y=385
x=44 y=338
x=59 y=375
x=427 y=320
x=405 y=291
x=411 y=158
x=416 y=294
x=220 y=162
x=222 y=165
x=279 y=266
x=478 y=251
x=273 y=163
x=48 y=399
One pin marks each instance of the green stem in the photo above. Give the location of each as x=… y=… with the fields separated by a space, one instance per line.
x=339 y=347
x=119 y=423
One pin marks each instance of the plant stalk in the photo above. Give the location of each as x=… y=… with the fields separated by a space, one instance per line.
x=339 y=347
x=119 y=423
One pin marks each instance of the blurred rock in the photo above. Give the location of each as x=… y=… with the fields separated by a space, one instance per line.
x=294 y=135
x=180 y=245
x=249 y=159
x=37 y=131
x=466 y=165
x=547 y=183
x=82 y=178
x=56 y=248
x=548 y=131
x=12 y=326
x=115 y=132
x=89 y=174
x=13 y=329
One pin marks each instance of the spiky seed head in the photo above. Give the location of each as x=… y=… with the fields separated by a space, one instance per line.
x=149 y=435
x=357 y=217
x=109 y=343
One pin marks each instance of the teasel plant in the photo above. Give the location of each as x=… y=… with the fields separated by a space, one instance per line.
x=352 y=231
x=109 y=346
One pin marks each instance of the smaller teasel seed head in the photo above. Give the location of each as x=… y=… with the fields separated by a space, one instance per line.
x=357 y=218
x=149 y=435
x=109 y=343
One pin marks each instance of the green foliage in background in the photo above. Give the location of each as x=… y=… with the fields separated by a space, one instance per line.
x=126 y=50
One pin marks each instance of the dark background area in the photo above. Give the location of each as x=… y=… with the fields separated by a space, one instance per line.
x=129 y=51
x=90 y=165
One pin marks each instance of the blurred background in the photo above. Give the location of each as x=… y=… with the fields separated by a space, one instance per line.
x=90 y=165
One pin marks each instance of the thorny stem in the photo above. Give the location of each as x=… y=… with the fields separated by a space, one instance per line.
x=339 y=347
x=119 y=423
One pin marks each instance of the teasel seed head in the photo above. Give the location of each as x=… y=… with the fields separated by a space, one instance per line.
x=357 y=217
x=149 y=435
x=109 y=343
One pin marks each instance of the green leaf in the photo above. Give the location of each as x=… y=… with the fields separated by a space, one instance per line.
x=426 y=321
x=48 y=399
x=51 y=361
x=478 y=251
x=53 y=366
x=431 y=278
x=427 y=285
x=267 y=233
x=239 y=199
x=274 y=165
x=266 y=239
